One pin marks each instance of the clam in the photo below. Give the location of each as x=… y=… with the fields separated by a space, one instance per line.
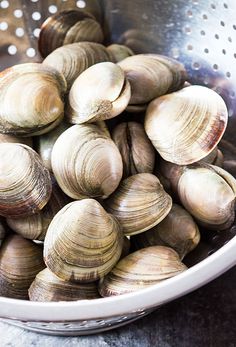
x=67 y=27
x=45 y=143
x=31 y=99
x=86 y=162
x=186 y=125
x=25 y=184
x=139 y=203
x=209 y=194
x=20 y=261
x=100 y=92
x=152 y=75
x=138 y=154
x=83 y=242
x=35 y=227
x=119 y=52
x=141 y=269
x=178 y=231
x=48 y=287
x=71 y=60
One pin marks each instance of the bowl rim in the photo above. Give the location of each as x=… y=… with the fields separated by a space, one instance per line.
x=132 y=303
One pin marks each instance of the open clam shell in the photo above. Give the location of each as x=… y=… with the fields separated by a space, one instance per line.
x=83 y=242
x=66 y=27
x=186 y=125
x=48 y=287
x=139 y=203
x=31 y=99
x=141 y=269
x=25 y=184
x=86 y=162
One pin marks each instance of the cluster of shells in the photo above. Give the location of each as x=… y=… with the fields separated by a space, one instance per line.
x=109 y=167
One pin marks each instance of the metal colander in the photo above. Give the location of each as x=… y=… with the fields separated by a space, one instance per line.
x=199 y=33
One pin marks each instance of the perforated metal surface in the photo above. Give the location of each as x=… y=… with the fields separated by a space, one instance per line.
x=199 y=33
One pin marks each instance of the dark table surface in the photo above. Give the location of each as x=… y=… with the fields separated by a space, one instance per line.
x=204 y=318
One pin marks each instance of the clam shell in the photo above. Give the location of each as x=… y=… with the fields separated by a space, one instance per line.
x=71 y=60
x=186 y=125
x=20 y=261
x=178 y=231
x=141 y=269
x=139 y=203
x=83 y=242
x=151 y=76
x=119 y=52
x=100 y=92
x=209 y=194
x=35 y=227
x=25 y=184
x=138 y=154
x=86 y=162
x=48 y=287
x=67 y=27
x=24 y=109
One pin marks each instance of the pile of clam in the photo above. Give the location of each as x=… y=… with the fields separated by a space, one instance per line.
x=109 y=167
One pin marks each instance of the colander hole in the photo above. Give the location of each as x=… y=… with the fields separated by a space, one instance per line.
x=196 y=65
x=226 y=5
x=188 y=30
x=206 y=50
x=20 y=32
x=213 y=6
x=224 y=51
x=235 y=55
x=228 y=74
x=204 y=16
x=3 y=26
x=36 y=32
x=189 y=13
x=36 y=15
x=189 y=47
x=232 y=94
x=12 y=50
x=52 y=9
x=217 y=36
x=4 y=4
x=18 y=13
x=202 y=32
x=81 y=4
x=215 y=67
x=222 y=23
x=234 y=26
x=30 y=52
x=230 y=39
